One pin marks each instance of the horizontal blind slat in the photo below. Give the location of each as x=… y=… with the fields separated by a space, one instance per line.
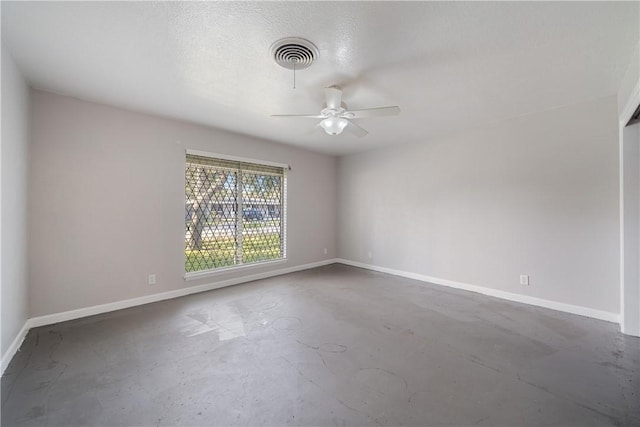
x=229 y=164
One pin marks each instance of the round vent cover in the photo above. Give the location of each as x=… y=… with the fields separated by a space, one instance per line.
x=294 y=52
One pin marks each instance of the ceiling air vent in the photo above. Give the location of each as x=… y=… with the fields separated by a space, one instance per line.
x=294 y=53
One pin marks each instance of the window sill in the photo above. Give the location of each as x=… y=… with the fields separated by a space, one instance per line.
x=238 y=268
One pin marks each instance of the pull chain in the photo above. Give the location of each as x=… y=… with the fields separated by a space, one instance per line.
x=294 y=74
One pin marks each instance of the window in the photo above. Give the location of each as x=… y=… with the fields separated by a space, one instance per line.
x=234 y=212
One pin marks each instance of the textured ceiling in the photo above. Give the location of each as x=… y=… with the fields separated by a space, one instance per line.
x=448 y=65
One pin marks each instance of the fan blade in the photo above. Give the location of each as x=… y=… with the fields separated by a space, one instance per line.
x=304 y=116
x=373 y=112
x=356 y=130
x=334 y=97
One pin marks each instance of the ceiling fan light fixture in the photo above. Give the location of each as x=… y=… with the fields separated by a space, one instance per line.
x=336 y=118
x=334 y=125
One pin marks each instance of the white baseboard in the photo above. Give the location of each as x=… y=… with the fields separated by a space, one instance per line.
x=14 y=347
x=119 y=305
x=50 y=319
x=554 y=305
x=632 y=330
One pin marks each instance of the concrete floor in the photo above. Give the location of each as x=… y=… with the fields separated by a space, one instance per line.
x=331 y=346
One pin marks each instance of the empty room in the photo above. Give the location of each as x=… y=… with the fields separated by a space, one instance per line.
x=320 y=213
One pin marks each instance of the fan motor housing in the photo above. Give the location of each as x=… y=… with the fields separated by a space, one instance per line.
x=294 y=53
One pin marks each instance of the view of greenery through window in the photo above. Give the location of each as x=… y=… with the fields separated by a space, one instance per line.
x=233 y=213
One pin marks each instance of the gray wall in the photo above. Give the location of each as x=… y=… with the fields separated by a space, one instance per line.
x=534 y=195
x=14 y=167
x=107 y=202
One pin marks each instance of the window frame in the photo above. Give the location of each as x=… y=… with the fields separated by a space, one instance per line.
x=193 y=275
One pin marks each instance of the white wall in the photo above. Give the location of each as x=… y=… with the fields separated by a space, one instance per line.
x=628 y=100
x=15 y=160
x=534 y=195
x=629 y=92
x=630 y=316
x=107 y=202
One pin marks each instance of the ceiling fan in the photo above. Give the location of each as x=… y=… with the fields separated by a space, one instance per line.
x=336 y=118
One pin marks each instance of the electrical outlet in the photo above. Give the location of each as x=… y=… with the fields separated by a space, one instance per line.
x=325 y=251
x=524 y=279
x=152 y=279
x=370 y=255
